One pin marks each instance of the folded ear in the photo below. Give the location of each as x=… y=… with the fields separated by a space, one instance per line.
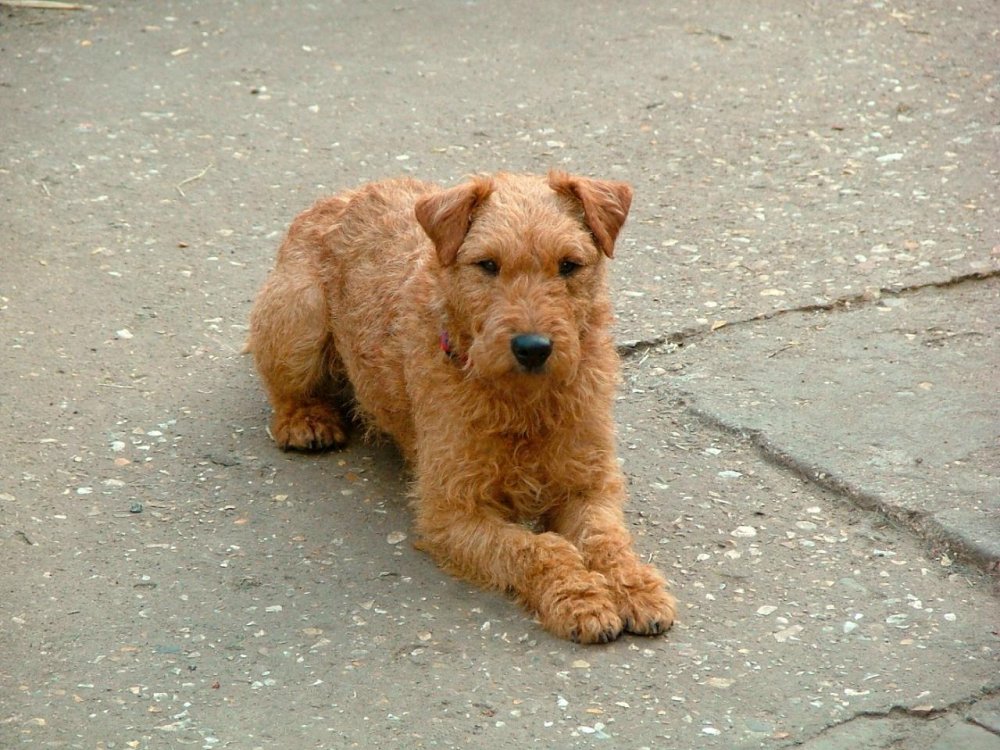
x=605 y=205
x=447 y=215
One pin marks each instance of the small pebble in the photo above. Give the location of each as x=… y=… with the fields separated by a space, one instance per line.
x=783 y=636
x=756 y=725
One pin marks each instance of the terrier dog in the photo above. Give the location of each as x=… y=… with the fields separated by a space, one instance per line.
x=471 y=325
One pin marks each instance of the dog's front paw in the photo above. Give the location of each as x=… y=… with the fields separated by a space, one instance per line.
x=645 y=605
x=313 y=427
x=581 y=610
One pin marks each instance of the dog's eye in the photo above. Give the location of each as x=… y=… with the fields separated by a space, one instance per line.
x=489 y=266
x=568 y=267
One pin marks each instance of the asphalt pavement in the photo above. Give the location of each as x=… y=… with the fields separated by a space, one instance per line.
x=807 y=308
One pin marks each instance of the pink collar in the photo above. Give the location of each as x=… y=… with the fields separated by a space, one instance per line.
x=445 y=342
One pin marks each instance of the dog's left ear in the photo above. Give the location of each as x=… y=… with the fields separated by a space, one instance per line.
x=446 y=215
x=605 y=205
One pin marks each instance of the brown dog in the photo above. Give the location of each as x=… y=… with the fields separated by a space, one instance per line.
x=472 y=325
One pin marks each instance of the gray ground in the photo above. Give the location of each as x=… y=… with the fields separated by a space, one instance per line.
x=808 y=302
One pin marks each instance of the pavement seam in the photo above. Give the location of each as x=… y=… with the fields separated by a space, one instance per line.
x=960 y=708
x=923 y=525
x=628 y=348
x=982 y=725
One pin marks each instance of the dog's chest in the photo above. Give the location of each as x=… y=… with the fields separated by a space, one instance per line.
x=534 y=475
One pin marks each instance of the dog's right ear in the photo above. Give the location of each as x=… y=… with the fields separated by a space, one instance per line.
x=447 y=215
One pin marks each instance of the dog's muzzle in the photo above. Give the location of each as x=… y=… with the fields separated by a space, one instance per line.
x=531 y=350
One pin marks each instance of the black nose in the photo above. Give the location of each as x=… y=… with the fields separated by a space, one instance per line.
x=531 y=350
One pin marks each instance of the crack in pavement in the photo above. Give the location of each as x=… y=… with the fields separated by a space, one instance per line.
x=920 y=714
x=924 y=524
x=936 y=531
x=921 y=524
x=631 y=347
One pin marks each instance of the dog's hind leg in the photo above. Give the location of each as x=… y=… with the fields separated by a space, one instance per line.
x=293 y=348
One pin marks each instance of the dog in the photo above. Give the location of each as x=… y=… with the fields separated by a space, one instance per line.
x=471 y=324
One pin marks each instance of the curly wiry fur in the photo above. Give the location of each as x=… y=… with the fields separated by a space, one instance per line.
x=517 y=484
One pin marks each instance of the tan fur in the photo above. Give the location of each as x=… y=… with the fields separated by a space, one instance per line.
x=517 y=484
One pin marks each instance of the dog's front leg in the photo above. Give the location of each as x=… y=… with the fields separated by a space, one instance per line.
x=545 y=571
x=595 y=524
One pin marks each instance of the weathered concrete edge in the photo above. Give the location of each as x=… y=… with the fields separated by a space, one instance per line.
x=963 y=711
x=928 y=526
x=938 y=534
x=631 y=347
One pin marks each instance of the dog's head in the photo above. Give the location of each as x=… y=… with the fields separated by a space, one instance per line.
x=521 y=269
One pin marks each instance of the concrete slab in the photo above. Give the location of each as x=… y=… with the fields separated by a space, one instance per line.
x=967 y=737
x=894 y=403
